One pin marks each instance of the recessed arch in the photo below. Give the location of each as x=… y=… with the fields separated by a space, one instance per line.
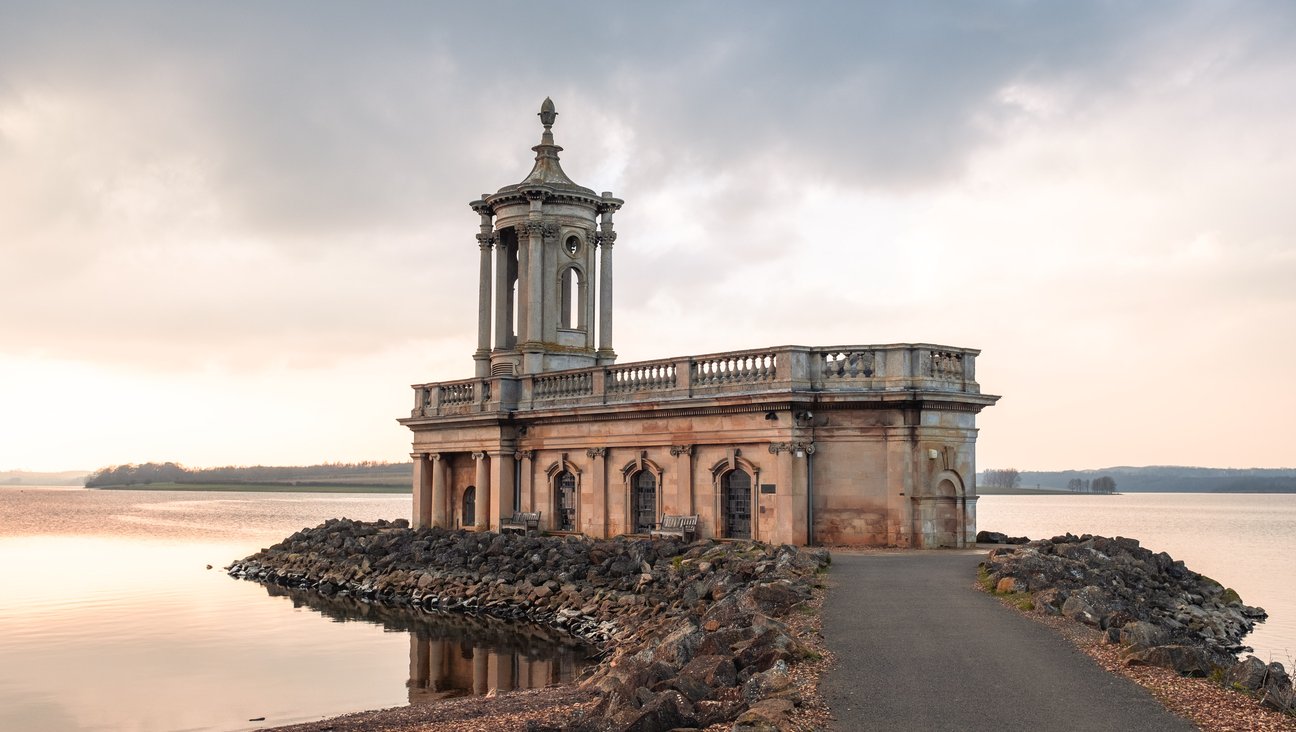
x=643 y=492
x=564 y=482
x=571 y=304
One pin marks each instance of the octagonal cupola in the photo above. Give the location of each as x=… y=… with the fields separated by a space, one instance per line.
x=539 y=309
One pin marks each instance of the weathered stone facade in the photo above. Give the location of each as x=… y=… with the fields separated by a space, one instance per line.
x=843 y=445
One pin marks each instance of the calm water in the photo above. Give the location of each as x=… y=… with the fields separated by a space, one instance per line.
x=1245 y=541
x=110 y=620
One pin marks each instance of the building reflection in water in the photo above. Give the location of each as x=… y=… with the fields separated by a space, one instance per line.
x=441 y=668
x=453 y=654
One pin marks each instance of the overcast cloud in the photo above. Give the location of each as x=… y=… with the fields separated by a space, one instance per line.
x=236 y=232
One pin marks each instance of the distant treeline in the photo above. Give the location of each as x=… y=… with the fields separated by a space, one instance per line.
x=1174 y=479
x=1012 y=478
x=367 y=472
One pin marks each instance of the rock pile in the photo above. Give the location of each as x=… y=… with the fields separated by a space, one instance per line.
x=1166 y=614
x=693 y=631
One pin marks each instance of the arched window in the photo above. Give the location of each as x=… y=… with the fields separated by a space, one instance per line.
x=735 y=497
x=643 y=502
x=469 y=506
x=572 y=310
x=565 y=501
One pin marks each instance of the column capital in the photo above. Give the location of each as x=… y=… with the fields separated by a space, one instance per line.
x=605 y=238
x=524 y=455
x=418 y=455
x=435 y=455
x=677 y=450
x=596 y=452
x=479 y=455
x=486 y=241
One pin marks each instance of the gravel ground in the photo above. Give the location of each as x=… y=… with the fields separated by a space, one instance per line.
x=466 y=714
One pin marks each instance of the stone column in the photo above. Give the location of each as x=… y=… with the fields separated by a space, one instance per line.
x=438 y=491
x=503 y=314
x=534 y=326
x=501 y=483
x=606 y=238
x=485 y=241
x=482 y=517
x=422 y=513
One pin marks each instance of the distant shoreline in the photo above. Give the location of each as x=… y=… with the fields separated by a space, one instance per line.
x=299 y=487
x=994 y=491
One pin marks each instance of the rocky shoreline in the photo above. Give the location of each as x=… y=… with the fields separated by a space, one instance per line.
x=693 y=632
x=1160 y=612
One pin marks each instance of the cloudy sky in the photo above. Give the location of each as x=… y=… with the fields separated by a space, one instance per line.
x=235 y=233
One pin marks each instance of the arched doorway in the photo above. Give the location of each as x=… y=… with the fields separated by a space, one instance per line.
x=945 y=522
x=643 y=502
x=735 y=502
x=469 y=511
x=565 y=501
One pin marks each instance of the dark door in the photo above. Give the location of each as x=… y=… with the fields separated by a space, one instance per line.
x=565 y=501
x=644 y=502
x=470 y=506
x=736 y=498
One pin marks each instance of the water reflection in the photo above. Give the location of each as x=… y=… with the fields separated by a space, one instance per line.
x=453 y=654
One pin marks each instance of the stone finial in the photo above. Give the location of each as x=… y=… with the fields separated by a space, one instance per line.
x=547 y=113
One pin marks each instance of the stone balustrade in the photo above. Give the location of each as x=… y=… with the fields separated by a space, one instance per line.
x=902 y=367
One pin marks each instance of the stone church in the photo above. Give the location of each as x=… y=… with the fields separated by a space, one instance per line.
x=869 y=445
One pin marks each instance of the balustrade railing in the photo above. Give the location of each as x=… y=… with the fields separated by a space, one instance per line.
x=564 y=384
x=640 y=377
x=743 y=368
x=836 y=369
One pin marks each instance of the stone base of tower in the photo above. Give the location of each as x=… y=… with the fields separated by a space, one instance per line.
x=859 y=445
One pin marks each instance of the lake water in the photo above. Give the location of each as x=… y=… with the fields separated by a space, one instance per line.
x=111 y=620
x=1244 y=541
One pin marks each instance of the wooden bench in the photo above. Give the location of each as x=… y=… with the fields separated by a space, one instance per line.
x=685 y=527
x=522 y=521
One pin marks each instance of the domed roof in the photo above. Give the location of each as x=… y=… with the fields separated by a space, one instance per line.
x=547 y=171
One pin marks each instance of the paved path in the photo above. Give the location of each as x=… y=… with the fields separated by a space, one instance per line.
x=919 y=648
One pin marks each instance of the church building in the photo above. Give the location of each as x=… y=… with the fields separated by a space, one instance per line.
x=864 y=445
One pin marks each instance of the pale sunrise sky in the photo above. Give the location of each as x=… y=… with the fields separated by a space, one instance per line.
x=235 y=233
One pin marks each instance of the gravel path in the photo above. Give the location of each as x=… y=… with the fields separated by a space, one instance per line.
x=918 y=647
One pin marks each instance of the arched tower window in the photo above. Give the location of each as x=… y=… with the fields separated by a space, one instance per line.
x=736 y=499
x=565 y=501
x=572 y=308
x=643 y=502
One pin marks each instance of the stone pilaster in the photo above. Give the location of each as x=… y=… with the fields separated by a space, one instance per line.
x=594 y=502
x=483 y=478
x=501 y=483
x=526 y=469
x=438 y=491
x=684 y=491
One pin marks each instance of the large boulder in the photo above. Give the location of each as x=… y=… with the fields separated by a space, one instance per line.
x=1143 y=634
x=1185 y=660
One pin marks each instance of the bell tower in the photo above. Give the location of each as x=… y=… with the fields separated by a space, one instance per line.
x=545 y=290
